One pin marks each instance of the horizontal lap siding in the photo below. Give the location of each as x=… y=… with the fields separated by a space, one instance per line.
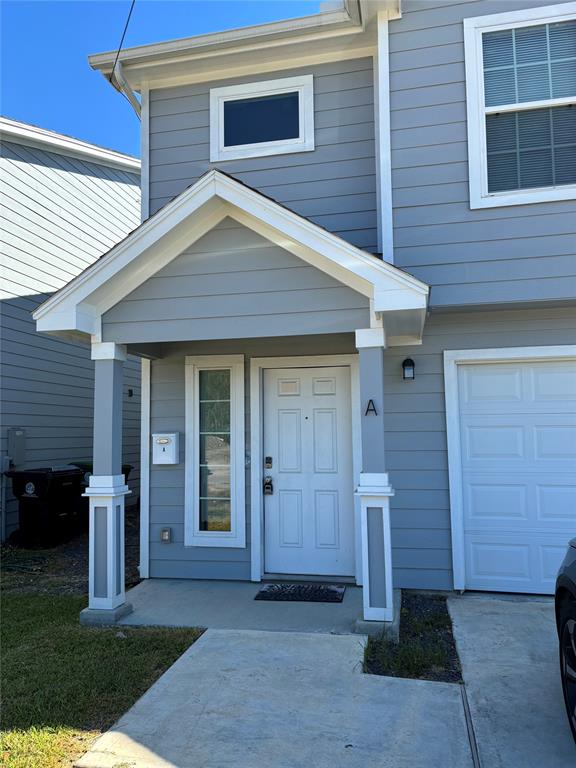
x=233 y=283
x=416 y=453
x=507 y=254
x=167 y=404
x=334 y=185
x=59 y=214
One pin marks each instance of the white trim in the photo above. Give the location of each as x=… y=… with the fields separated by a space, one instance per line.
x=303 y=85
x=370 y=337
x=162 y=237
x=383 y=141
x=453 y=359
x=257 y=367
x=145 y=154
x=378 y=500
x=192 y=535
x=107 y=350
x=476 y=109
x=31 y=135
x=144 y=567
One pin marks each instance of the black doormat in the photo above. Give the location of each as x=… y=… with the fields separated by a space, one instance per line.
x=302 y=593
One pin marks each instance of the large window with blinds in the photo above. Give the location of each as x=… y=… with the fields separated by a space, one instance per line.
x=521 y=92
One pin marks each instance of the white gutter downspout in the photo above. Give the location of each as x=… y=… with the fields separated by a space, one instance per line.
x=121 y=84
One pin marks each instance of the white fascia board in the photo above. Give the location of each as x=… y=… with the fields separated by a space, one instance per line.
x=31 y=135
x=379 y=274
x=161 y=238
x=222 y=42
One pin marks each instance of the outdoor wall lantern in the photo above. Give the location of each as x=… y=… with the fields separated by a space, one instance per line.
x=166 y=535
x=408 y=369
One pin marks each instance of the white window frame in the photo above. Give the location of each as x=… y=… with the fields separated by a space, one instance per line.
x=193 y=536
x=303 y=85
x=474 y=28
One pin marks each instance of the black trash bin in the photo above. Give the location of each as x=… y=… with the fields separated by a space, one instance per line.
x=49 y=504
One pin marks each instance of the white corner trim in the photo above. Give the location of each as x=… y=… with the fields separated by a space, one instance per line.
x=370 y=337
x=31 y=135
x=145 y=371
x=303 y=85
x=193 y=536
x=383 y=140
x=145 y=154
x=257 y=367
x=476 y=109
x=452 y=360
x=107 y=350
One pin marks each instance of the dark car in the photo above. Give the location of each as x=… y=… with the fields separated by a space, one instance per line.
x=566 y=624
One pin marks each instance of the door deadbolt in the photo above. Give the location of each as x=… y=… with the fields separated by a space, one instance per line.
x=268 y=486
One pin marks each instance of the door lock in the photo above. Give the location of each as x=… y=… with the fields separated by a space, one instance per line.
x=268 y=486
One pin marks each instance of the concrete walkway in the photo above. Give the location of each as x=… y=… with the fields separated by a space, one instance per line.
x=252 y=699
x=509 y=654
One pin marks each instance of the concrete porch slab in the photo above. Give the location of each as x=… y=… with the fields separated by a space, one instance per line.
x=231 y=605
x=285 y=700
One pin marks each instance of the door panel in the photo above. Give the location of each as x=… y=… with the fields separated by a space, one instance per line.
x=309 y=518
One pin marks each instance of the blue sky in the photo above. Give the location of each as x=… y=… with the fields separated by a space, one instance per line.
x=45 y=76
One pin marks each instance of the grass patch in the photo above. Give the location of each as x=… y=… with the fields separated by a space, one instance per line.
x=62 y=684
x=426 y=650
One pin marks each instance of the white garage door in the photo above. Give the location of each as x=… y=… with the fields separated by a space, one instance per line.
x=518 y=446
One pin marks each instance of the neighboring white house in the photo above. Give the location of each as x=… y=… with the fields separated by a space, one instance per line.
x=64 y=204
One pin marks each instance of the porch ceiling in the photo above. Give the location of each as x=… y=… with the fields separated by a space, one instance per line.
x=397 y=300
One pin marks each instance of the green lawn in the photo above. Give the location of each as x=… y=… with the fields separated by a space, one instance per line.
x=62 y=684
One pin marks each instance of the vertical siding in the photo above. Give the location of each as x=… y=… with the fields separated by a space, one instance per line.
x=334 y=185
x=415 y=425
x=59 y=214
x=507 y=254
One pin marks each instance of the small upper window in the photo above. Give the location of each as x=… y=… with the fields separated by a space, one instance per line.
x=521 y=87
x=267 y=118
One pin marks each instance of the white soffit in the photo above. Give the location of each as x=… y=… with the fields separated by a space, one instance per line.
x=79 y=305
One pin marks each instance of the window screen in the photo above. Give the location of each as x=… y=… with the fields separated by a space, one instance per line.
x=261 y=119
x=536 y=147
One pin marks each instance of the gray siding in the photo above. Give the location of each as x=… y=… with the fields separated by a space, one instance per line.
x=334 y=185
x=233 y=283
x=59 y=214
x=174 y=560
x=415 y=424
x=508 y=254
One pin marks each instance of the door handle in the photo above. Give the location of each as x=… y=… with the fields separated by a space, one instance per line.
x=268 y=486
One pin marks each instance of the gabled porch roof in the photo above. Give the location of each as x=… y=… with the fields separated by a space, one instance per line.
x=398 y=300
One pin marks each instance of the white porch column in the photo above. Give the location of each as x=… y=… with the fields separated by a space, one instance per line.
x=374 y=488
x=106 y=492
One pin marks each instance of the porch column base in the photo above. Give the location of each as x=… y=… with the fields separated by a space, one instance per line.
x=106 y=589
x=378 y=600
x=98 y=617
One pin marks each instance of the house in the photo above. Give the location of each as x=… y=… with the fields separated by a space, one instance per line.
x=64 y=204
x=353 y=292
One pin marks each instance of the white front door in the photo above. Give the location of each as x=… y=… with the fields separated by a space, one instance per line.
x=309 y=516
x=518 y=438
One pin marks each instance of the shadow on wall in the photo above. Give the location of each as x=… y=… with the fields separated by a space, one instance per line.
x=47 y=390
